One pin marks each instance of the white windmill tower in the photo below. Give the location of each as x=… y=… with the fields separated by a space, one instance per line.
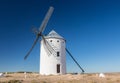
x=54 y=62
x=53 y=50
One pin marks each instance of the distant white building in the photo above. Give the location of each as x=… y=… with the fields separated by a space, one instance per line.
x=101 y=75
x=1 y=74
x=55 y=62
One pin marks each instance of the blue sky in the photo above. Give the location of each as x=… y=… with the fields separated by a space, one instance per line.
x=90 y=27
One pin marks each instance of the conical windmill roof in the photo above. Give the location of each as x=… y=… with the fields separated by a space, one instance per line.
x=53 y=34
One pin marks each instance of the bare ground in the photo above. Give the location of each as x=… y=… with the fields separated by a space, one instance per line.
x=68 y=78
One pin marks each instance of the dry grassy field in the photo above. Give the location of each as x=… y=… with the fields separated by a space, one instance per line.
x=68 y=78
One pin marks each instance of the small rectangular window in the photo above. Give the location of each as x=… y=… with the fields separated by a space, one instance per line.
x=58 y=54
x=57 y=40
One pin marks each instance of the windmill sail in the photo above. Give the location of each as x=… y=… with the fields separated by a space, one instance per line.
x=41 y=29
x=46 y=19
x=49 y=48
x=32 y=47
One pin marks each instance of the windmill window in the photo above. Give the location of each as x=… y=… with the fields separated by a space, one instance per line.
x=57 y=40
x=50 y=40
x=58 y=68
x=58 y=54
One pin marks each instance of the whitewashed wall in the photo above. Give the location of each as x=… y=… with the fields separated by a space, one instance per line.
x=48 y=62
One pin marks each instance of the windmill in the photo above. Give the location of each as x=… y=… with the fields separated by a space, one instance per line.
x=52 y=59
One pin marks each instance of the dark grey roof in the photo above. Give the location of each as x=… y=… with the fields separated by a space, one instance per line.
x=53 y=34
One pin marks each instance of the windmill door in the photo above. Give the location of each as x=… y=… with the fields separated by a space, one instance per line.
x=58 y=68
